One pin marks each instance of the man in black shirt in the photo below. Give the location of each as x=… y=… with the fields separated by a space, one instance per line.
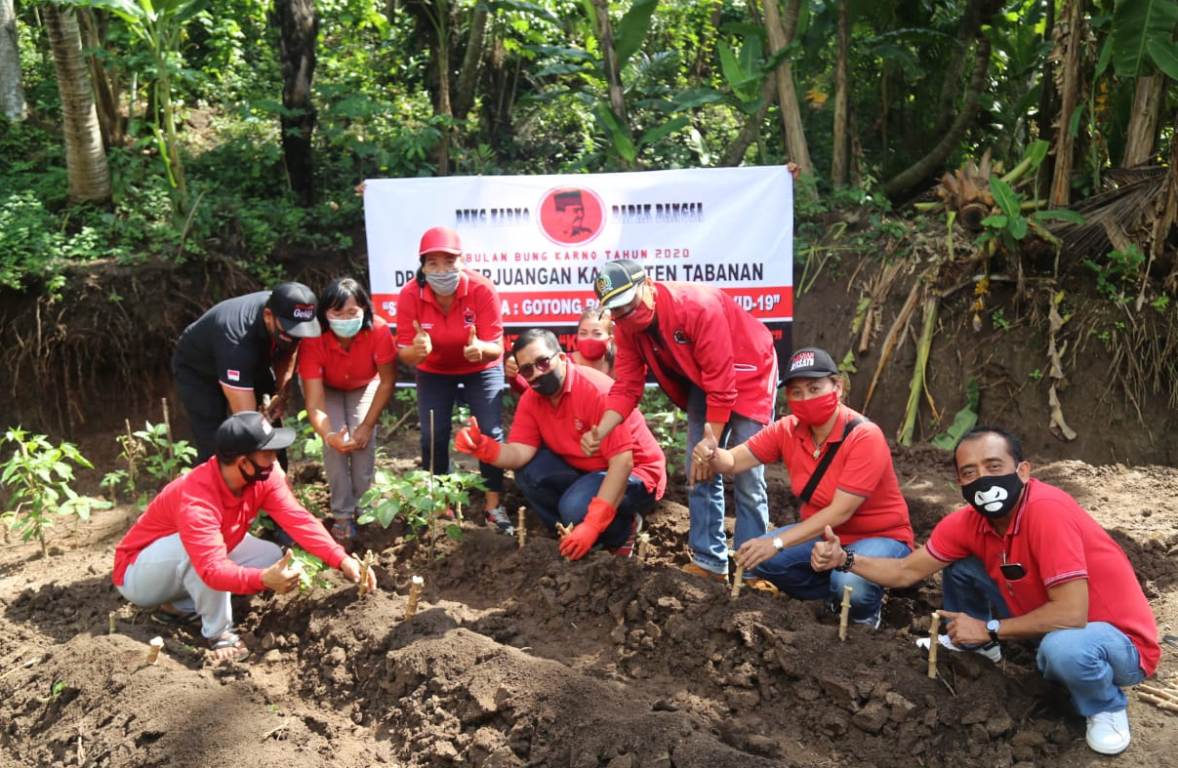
x=239 y=350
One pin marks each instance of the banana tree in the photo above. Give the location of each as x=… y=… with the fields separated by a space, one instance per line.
x=159 y=27
x=1141 y=46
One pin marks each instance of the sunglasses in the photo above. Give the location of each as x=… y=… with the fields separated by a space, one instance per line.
x=541 y=365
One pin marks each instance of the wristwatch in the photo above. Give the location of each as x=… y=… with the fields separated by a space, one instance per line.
x=848 y=564
x=992 y=627
x=778 y=544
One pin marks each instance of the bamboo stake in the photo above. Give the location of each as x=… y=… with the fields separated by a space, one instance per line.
x=366 y=566
x=153 y=652
x=415 y=585
x=738 y=579
x=845 y=613
x=521 y=530
x=168 y=427
x=563 y=530
x=643 y=547
x=933 y=644
x=110 y=622
x=1159 y=692
x=1162 y=704
x=131 y=450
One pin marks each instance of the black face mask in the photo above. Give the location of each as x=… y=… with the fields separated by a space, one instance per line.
x=284 y=345
x=993 y=496
x=547 y=384
x=260 y=475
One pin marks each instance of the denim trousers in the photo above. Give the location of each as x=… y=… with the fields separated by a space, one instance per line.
x=1093 y=663
x=705 y=501
x=560 y=493
x=789 y=570
x=483 y=394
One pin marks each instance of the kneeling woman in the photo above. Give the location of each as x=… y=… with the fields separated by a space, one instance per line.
x=840 y=467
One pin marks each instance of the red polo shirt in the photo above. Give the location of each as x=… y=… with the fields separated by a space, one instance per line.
x=1055 y=541
x=323 y=357
x=559 y=428
x=212 y=521
x=863 y=467
x=475 y=303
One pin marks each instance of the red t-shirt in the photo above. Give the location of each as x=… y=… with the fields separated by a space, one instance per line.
x=353 y=368
x=863 y=467
x=1055 y=541
x=559 y=428
x=212 y=521
x=476 y=303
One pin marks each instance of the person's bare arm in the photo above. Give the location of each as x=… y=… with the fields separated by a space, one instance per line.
x=617 y=475
x=240 y=399
x=1066 y=608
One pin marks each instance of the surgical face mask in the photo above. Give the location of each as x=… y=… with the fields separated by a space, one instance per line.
x=443 y=283
x=346 y=329
x=547 y=384
x=993 y=496
x=260 y=475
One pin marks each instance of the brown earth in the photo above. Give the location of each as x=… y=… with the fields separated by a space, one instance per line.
x=520 y=658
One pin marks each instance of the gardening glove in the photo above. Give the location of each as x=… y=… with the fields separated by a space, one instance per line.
x=578 y=543
x=471 y=441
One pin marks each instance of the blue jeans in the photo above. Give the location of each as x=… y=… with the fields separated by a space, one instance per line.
x=789 y=570
x=705 y=501
x=482 y=392
x=559 y=493
x=1093 y=662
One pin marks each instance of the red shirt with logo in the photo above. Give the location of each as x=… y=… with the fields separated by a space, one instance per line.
x=476 y=303
x=325 y=358
x=559 y=428
x=699 y=336
x=862 y=467
x=212 y=521
x=1055 y=541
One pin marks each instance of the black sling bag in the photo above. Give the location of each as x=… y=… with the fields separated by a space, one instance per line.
x=820 y=470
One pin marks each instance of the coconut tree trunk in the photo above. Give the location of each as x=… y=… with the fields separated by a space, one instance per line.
x=1143 y=120
x=932 y=162
x=1047 y=102
x=89 y=176
x=298 y=26
x=106 y=94
x=734 y=152
x=781 y=32
x=838 y=164
x=469 y=75
x=1073 y=41
x=967 y=30
x=12 y=93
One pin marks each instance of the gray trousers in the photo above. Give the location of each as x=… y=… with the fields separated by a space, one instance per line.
x=349 y=475
x=163 y=574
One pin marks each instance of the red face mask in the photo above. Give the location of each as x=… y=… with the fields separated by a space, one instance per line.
x=591 y=348
x=816 y=410
x=638 y=318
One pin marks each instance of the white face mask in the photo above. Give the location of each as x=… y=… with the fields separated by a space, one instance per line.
x=347 y=328
x=443 y=283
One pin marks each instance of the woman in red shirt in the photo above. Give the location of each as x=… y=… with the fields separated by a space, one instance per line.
x=348 y=376
x=450 y=329
x=857 y=495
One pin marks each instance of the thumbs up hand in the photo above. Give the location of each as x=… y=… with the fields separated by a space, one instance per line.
x=470 y=440
x=828 y=553
x=590 y=441
x=702 y=456
x=473 y=351
x=422 y=345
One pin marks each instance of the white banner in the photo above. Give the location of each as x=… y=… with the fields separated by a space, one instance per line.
x=541 y=239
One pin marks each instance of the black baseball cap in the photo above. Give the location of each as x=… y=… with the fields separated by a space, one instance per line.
x=810 y=363
x=617 y=282
x=294 y=306
x=248 y=431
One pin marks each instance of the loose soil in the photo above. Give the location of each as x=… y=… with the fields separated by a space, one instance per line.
x=517 y=657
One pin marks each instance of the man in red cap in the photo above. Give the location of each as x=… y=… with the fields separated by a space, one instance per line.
x=240 y=349
x=450 y=329
x=714 y=360
x=602 y=497
x=191 y=548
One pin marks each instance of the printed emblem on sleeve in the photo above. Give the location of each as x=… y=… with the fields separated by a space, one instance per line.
x=233 y=375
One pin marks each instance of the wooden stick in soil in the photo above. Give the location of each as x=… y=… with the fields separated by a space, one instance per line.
x=415 y=585
x=1160 y=703
x=643 y=547
x=1158 y=692
x=845 y=613
x=366 y=566
x=738 y=579
x=168 y=427
x=521 y=530
x=130 y=454
x=934 y=643
x=156 y=644
x=110 y=622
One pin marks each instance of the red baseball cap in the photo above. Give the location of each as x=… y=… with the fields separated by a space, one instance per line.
x=439 y=240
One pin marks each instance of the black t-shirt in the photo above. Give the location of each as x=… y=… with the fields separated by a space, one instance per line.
x=229 y=344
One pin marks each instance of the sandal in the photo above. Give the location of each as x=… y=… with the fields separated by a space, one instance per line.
x=168 y=616
x=227 y=648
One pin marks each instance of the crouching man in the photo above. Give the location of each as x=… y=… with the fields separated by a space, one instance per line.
x=191 y=548
x=1024 y=561
x=603 y=496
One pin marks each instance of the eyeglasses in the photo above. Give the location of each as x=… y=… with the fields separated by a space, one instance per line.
x=541 y=365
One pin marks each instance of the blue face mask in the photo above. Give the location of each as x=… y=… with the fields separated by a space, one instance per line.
x=346 y=329
x=443 y=283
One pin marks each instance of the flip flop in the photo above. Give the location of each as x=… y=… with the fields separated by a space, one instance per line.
x=228 y=648
x=169 y=617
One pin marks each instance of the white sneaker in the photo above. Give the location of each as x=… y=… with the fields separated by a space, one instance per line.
x=991 y=651
x=1108 y=732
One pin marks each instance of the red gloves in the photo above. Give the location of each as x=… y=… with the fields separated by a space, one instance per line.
x=471 y=441
x=578 y=543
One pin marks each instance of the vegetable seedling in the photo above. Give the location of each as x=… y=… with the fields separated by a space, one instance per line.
x=934 y=642
x=415 y=585
x=845 y=613
x=155 y=645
